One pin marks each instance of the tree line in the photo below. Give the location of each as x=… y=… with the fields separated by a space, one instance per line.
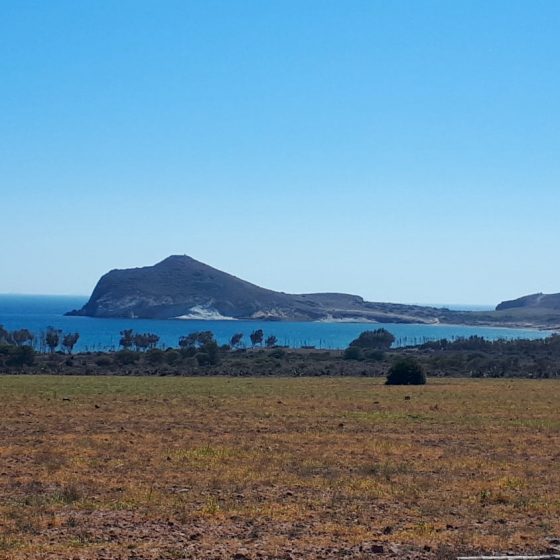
x=18 y=347
x=371 y=350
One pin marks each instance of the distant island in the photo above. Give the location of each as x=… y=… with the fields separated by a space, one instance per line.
x=180 y=287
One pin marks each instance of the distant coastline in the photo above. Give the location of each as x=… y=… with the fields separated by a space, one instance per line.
x=182 y=287
x=38 y=312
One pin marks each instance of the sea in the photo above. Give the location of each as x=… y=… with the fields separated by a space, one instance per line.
x=36 y=313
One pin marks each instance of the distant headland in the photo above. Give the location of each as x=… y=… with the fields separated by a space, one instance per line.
x=179 y=287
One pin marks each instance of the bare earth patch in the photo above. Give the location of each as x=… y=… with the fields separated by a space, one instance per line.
x=224 y=468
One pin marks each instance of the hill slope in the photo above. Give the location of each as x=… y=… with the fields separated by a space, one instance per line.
x=533 y=301
x=180 y=286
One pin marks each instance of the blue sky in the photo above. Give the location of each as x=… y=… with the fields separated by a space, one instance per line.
x=402 y=150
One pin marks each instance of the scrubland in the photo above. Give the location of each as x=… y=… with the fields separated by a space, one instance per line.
x=222 y=467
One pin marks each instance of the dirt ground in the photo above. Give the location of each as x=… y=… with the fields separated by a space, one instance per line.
x=259 y=468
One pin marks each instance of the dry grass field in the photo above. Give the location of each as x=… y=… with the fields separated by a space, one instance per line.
x=170 y=468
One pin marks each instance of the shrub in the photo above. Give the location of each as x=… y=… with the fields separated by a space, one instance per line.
x=213 y=351
x=209 y=355
x=126 y=357
x=186 y=352
x=406 y=372
x=103 y=361
x=155 y=356
x=201 y=345
x=172 y=357
x=374 y=355
x=353 y=353
x=21 y=356
x=202 y=359
x=190 y=363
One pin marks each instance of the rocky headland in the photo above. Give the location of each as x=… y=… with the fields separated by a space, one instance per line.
x=181 y=287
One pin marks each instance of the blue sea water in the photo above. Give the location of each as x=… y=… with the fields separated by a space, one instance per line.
x=36 y=313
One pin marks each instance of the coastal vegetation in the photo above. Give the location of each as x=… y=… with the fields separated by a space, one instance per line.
x=198 y=353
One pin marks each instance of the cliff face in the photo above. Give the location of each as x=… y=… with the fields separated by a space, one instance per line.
x=180 y=286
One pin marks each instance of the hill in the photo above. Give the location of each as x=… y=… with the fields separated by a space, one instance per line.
x=181 y=287
x=533 y=301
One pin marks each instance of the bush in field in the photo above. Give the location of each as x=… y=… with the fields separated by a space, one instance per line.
x=406 y=372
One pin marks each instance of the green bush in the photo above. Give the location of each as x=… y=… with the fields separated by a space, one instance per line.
x=203 y=359
x=103 y=361
x=189 y=364
x=374 y=355
x=20 y=356
x=212 y=350
x=353 y=353
x=172 y=357
x=155 y=356
x=126 y=357
x=406 y=372
x=277 y=354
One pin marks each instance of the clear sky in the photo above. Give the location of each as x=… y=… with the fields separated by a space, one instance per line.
x=401 y=150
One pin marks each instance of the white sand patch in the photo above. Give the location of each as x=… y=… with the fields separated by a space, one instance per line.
x=331 y=319
x=201 y=313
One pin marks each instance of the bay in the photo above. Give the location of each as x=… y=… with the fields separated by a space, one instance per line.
x=36 y=313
